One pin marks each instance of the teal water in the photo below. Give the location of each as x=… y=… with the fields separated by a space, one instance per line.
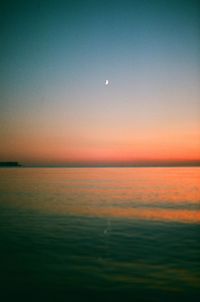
x=100 y=234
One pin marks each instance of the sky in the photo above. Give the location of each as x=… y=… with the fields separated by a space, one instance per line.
x=55 y=57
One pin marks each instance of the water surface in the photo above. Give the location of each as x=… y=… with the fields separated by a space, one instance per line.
x=104 y=233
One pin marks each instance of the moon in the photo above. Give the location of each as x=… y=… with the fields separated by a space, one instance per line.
x=106 y=82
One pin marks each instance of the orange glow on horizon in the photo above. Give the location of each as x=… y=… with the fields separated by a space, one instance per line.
x=106 y=145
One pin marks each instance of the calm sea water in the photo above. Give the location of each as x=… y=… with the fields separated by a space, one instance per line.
x=71 y=234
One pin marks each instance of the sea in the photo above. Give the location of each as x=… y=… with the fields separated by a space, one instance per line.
x=100 y=234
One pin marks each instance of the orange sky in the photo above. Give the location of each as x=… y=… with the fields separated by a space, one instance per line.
x=96 y=146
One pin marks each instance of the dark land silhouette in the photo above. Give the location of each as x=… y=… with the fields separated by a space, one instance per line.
x=10 y=164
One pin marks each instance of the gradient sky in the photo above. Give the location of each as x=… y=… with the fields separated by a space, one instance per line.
x=55 y=57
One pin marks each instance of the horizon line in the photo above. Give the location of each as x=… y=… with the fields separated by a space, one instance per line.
x=170 y=163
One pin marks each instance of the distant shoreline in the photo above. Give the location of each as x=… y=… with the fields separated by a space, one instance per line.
x=13 y=164
x=78 y=167
x=10 y=164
